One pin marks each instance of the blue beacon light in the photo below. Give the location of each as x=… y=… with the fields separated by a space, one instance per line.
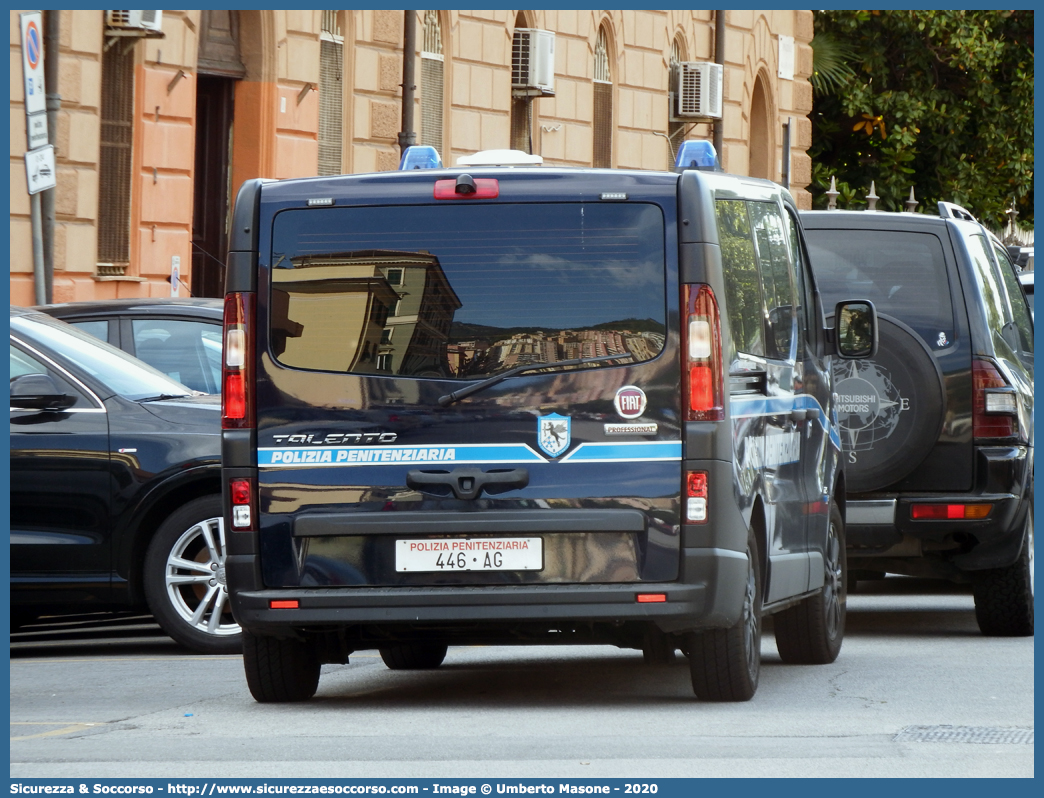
x=697 y=155
x=420 y=156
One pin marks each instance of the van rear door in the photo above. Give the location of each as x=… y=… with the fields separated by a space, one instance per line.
x=563 y=465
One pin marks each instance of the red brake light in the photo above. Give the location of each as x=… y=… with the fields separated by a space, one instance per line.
x=237 y=411
x=485 y=188
x=989 y=424
x=701 y=344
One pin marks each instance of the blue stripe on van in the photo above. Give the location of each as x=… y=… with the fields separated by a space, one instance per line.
x=624 y=452
x=326 y=456
x=753 y=406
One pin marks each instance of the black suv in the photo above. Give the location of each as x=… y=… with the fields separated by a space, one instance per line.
x=530 y=405
x=938 y=427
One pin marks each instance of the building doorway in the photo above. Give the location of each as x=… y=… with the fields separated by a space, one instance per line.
x=219 y=67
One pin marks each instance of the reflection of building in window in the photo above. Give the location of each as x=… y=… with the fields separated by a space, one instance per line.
x=369 y=311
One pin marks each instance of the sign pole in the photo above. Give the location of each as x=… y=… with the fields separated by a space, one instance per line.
x=39 y=278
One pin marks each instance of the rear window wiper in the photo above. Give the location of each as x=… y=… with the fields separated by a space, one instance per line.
x=450 y=398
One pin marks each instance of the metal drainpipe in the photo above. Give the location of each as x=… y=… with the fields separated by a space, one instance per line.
x=52 y=27
x=719 y=58
x=409 y=59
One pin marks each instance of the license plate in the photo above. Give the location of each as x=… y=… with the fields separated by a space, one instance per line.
x=469 y=554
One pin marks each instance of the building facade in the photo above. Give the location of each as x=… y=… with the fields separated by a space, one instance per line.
x=156 y=133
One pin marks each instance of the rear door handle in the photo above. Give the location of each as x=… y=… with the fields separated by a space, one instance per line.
x=468 y=483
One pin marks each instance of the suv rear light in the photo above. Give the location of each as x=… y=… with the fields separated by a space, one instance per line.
x=696 y=497
x=241 y=494
x=237 y=393
x=943 y=512
x=994 y=404
x=701 y=347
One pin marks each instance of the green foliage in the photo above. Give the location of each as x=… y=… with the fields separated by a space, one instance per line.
x=938 y=100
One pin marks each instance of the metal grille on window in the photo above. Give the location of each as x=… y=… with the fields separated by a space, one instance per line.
x=114 y=170
x=603 y=104
x=675 y=128
x=331 y=94
x=432 y=77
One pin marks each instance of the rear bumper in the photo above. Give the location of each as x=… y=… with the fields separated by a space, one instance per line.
x=709 y=594
x=882 y=535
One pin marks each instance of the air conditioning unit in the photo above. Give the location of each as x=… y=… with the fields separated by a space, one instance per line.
x=533 y=62
x=697 y=89
x=148 y=20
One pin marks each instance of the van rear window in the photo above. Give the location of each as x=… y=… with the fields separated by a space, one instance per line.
x=466 y=291
x=902 y=273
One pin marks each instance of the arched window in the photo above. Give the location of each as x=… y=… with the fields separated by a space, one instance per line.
x=602 y=132
x=675 y=127
x=432 y=82
x=331 y=94
x=762 y=145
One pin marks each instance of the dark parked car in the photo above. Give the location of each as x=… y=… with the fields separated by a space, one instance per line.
x=178 y=336
x=938 y=427
x=115 y=492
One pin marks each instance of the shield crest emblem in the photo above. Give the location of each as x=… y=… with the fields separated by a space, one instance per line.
x=553 y=433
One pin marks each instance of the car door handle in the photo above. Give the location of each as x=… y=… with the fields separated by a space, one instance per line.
x=467 y=483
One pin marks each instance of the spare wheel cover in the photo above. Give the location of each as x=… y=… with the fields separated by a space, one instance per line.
x=890 y=409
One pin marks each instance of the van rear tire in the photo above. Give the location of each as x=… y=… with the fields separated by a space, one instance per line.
x=811 y=632
x=414 y=656
x=279 y=671
x=724 y=664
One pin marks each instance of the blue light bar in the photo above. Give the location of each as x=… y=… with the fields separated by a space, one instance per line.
x=420 y=156
x=697 y=155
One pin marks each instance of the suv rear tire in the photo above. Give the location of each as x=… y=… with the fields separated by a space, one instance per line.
x=414 y=656
x=1004 y=596
x=279 y=671
x=724 y=664
x=811 y=633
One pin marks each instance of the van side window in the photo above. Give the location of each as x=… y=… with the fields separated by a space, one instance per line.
x=778 y=287
x=742 y=287
x=806 y=303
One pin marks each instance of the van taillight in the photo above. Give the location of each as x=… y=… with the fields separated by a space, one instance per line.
x=701 y=342
x=241 y=494
x=696 y=497
x=994 y=404
x=237 y=393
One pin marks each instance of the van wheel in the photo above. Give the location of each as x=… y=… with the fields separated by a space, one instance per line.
x=725 y=663
x=184 y=578
x=279 y=671
x=657 y=648
x=414 y=656
x=811 y=632
x=1004 y=596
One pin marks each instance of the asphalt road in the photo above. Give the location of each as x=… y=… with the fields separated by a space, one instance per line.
x=114 y=698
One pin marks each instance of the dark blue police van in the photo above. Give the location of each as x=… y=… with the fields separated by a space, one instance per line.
x=517 y=404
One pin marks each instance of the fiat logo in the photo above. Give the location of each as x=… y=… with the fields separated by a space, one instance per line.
x=630 y=401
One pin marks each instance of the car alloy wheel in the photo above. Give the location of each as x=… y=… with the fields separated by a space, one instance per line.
x=195 y=579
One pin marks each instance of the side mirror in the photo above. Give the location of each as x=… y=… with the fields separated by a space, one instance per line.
x=38 y=392
x=855 y=329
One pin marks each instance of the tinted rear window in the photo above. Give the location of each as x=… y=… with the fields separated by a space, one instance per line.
x=465 y=291
x=903 y=274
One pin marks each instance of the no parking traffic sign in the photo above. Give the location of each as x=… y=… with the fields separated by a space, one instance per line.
x=32 y=62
